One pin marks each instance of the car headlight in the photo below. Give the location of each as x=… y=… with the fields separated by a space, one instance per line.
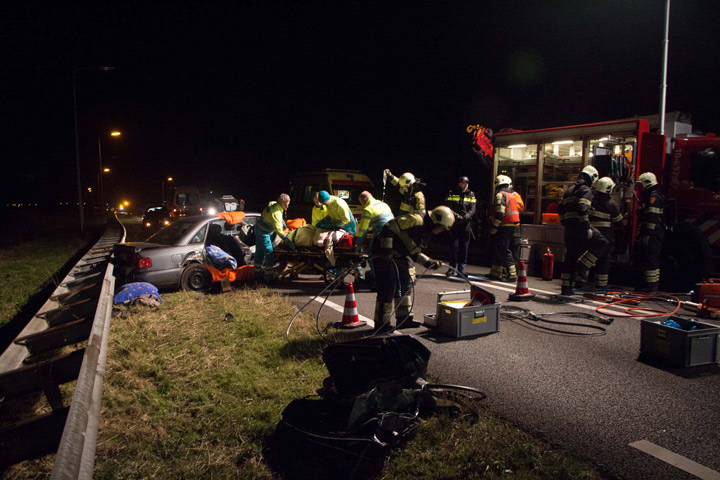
x=166 y=222
x=148 y=224
x=211 y=211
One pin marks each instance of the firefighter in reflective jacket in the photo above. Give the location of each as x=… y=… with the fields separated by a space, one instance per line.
x=583 y=242
x=271 y=222
x=413 y=199
x=604 y=215
x=395 y=248
x=505 y=220
x=651 y=231
x=461 y=201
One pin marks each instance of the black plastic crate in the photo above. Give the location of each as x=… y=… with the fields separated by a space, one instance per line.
x=679 y=347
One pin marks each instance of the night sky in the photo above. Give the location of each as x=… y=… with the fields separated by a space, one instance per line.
x=237 y=98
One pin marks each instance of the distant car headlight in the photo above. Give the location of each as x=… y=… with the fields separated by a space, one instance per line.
x=166 y=222
x=148 y=224
x=211 y=211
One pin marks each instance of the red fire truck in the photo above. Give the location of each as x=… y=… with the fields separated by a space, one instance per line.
x=543 y=163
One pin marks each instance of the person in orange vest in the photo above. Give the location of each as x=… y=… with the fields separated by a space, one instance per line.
x=517 y=235
x=505 y=219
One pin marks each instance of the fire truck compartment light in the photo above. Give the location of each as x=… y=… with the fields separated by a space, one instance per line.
x=563 y=142
x=520 y=145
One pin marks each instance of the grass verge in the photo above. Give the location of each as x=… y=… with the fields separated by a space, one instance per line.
x=27 y=267
x=192 y=392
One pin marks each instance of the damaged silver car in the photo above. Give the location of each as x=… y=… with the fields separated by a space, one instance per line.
x=175 y=256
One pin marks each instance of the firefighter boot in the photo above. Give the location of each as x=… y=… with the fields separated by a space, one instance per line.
x=511 y=274
x=566 y=284
x=495 y=273
x=383 y=316
x=651 y=287
x=581 y=276
x=651 y=281
x=403 y=313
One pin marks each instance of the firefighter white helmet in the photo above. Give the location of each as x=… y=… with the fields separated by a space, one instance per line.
x=605 y=185
x=406 y=179
x=502 y=180
x=591 y=172
x=647 y=180
x=442 y=215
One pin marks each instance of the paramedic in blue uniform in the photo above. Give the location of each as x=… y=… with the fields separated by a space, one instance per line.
x=461 y=201
x=338 y=215
x=272 y=222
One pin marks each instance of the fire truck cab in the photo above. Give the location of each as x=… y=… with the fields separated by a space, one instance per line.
x=543 y=163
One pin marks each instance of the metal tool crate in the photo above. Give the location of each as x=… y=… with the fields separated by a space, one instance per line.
x=682 y=348
x=456 y=318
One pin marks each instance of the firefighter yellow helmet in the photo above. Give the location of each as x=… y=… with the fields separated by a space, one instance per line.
x=442 y=215
x=591 y=172
x=406 y=179
x=647 y=180
x=502 y=180
x=605 y=185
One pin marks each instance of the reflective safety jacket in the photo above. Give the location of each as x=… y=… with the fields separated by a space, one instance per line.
x=519 y=200
x=506 y=210
x=413 y=200
x=404 y=237
x=338 y=214
x=318 y=213
x=604 y=214
x=272 y=220
x=575 y=205
x=463 y=204
x=374 y=216
x=650 y=215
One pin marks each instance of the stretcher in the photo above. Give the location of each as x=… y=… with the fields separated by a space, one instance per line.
x=314 y=260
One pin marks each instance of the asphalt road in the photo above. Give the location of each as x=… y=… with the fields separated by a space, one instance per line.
x=589 y=395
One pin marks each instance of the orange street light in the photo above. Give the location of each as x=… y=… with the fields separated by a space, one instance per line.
x=114 y=133
x=169 y=179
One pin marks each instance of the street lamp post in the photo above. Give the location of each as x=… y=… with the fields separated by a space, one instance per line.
x=77 y=143
x=169 y=179
x=101 y=170
x=663 y=83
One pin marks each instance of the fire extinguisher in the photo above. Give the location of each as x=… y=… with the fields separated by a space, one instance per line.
x=547 y=269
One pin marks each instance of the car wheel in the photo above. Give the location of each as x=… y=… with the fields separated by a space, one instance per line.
x=195 y=278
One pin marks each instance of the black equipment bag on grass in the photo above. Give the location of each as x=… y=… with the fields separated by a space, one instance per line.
x=357 y=366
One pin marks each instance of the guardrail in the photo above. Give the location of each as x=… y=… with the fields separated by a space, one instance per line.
x=78 y=312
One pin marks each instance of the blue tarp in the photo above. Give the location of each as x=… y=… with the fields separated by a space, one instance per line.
x=132 y=291
x=221 y=259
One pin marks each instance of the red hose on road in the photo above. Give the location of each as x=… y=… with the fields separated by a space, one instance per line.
x=631 y=311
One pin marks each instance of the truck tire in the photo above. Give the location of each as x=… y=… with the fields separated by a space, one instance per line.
x=195 y=278
x=686 y=258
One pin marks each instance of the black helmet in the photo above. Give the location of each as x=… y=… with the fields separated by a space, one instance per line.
x=463 y=179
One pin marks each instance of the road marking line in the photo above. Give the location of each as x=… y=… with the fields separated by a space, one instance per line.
x=512 y=290
x=678 y=461
x=340 y=309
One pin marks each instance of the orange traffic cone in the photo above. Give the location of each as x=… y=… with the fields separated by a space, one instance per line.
x=350 y=319
x=522 y=293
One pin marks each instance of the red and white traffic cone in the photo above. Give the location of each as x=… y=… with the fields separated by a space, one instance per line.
x=350 y=319
x=522 y=292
